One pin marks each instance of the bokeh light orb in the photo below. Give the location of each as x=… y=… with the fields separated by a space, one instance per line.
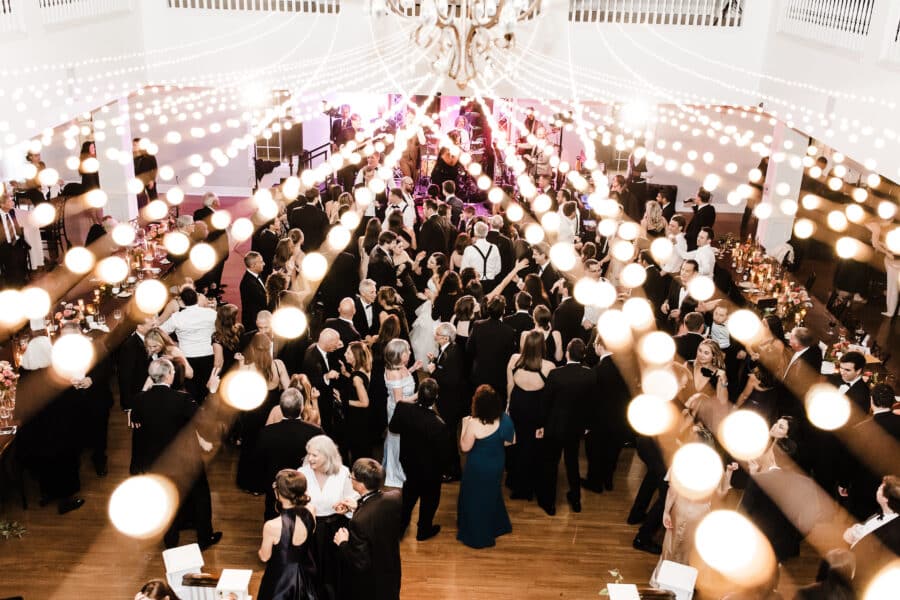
x=657 y=347
x=244 y=389
x=638 y=313
x=151 y=296
x=176 y=243
x=847 y=247
x=651 y=415
x=96 y=198
x=123 y=234
x=744 y=325
x=79 y=260
x=112 y=269
x=289 y=322
x=143 y=506
x=614 y=329
x=696 y=471
x=203 y=257
x=175 y=196
x=515 y=213
x=156 y=210
x=633 y=275
x=563 y=256
x=314 y=266
x=702 y=288
x=534 y=233
x=661 y=249
x=661 y=383
x=35 y=302
x=220 y=219
x=885 y=584
x=242 y=229
x=804 y=228
x=339 y=237
x=729 y=543
x=71 y=356
x=43 y=214
x=12 y=309
x=826 y=407
x=745 y=434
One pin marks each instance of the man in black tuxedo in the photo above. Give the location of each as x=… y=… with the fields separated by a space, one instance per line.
x=802 y=370
x=322 y=372
x=687 y=343
x=491 y=344
x=655 y=284
x=607 y=423
x=548 y=275
x=876 y=542
x=568 y=316
x=704 y=216
x=381 y=261
x=446 y=215
x=13 y=247
x=632 y=206
x=432 y=235
x=678 y=301
x=171 y=447
x=521 y=320
x=370 y=545
x=131 y=367
x=667 y=205
x=448 y=188
x=344 y=322
x=340 y=281
x=569 y=391
x=422 y=454
x=264 y=241
x=447 y=370
x=365 y=317
x=312 y=221
x=282 y=445
x=504 y=246
x=850 y=383
x=253 y=290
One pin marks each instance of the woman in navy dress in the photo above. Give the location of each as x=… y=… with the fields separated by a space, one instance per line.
x=481 y=513
x=287 y=543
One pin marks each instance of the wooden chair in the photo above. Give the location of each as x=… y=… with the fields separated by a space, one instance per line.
x=53 y=236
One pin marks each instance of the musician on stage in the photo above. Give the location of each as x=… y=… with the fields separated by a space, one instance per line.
x=415 y=139
x=342 y=131
x=462 y=127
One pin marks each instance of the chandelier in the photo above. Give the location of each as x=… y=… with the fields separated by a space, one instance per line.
x=459 y=35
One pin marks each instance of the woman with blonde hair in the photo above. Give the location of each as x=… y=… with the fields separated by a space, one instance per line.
x=401 y=387
x=159 y=345
x=654 y=223
x=708 y=378
x=310 y=411
x=329 y=485
x=526 y=376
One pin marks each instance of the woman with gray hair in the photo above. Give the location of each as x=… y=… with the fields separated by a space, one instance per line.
x=328 y=487
x=401 y=387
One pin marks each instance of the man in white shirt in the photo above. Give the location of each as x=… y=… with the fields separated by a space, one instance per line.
x=675 y=232
x=397 y=203
x=704 y=254
x=194 y=326
x=482 y=256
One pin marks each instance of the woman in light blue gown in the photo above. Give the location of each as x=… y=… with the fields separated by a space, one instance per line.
x=401 y=387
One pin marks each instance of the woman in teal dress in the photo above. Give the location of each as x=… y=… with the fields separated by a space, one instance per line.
x=481 y=513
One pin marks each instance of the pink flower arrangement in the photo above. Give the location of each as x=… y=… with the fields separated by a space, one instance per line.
x=8 y=376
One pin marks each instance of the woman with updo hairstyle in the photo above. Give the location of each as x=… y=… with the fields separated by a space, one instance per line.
x=156 y=589
x=481 y=512
x=392 y=305
x=226 y=338
x=286 y=546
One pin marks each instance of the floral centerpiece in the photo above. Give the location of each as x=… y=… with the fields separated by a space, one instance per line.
x=793 y=303
x=8 y=377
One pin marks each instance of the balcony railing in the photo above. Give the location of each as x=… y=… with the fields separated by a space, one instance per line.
x=291 y=6
x=64 y=11
x=10 y=19
x=841 y=23
x=698 y=13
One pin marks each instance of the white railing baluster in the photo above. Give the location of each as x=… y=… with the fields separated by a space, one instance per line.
x=841 y=23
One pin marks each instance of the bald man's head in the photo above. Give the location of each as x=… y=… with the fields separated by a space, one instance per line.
x=329 y=340
x=347 y=308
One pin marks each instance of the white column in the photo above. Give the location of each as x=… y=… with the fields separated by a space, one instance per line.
x=116 y=173
x=782 y=183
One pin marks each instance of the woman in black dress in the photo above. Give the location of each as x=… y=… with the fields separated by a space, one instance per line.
x=286 y=543
x=392 y=304
x=543 y=322
x=359 y=359
x=448 y=293
x=226 y=339
x=445 y=168
x=526 y=376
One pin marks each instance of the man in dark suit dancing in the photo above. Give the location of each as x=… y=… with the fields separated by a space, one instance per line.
x=381 y=261
x=447 y=370
x=491 y=344
x=312 y=221
x=704 y=216
x=13 y=247
x=365 y=319
x=432 y=235
x=521 y=320
x=568 y=392
x=282 y=445
x=169 y=442
x=322 y=374
x=422 y=449
x=253 y=290
x=132 y=364
x=370 y=546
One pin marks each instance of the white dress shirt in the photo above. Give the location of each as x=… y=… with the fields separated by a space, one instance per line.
x=861 y=530
x=846 y=386
x=194 y=326
x=679 y=253
x=474 y=256
x=706 y=259
x=568 y=229
x=407 y=211
x=337 y=487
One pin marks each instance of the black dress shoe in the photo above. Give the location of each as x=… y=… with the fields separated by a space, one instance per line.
x=212 y=541
x=646 y=546
x=574 y=503
x=521 y=496
x=635 y=518
x=449 y=478
x=591 y=486
x=608 y=485
x=70 y=504
x=429 y=533
x=101 y=468
x=549 y=509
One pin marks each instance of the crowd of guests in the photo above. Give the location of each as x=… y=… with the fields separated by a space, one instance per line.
x=441 y=333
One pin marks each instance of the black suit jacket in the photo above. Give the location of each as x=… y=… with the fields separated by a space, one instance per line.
x=858 y=393
x=686 y=345
x=341 y=281
x=655 y=286
x=567 y=320
x=491 y=344
x=265 y=241
x=313 y=222
x=359 y=319
x=668 y=211
x=381 y=269
x=132 y=367
x=315 y=367
x=519 y=321
x=449 y=374
x=253 y=300
x=422 y=440
x=281 y=446
x=609 y=411
x=798 y=378
x=704 y=216
x=689 y=304
x=432 y=236
x=570 y=389
x=373 y=552
x=548 y=278
x=162 y=414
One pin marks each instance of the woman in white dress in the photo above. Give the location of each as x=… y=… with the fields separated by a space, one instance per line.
x=401 y=387
x=328 y=487
x=421 y=337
